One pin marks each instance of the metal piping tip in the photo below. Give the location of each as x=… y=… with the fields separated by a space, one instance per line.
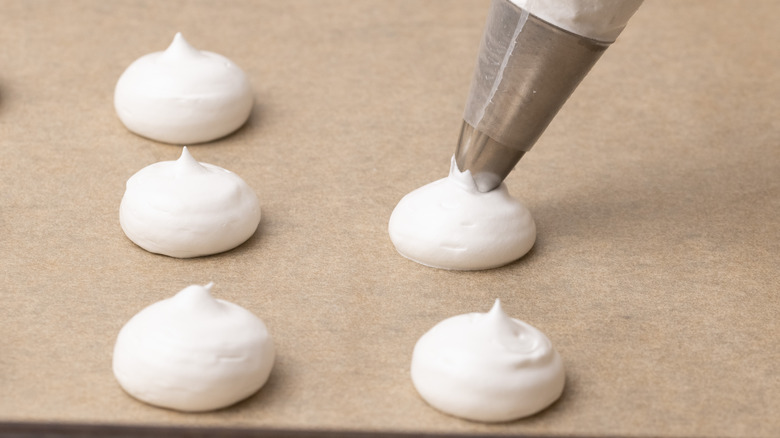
x=526 y=70
x=488 y=160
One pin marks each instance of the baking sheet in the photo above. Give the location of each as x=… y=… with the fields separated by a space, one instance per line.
x=656 y=193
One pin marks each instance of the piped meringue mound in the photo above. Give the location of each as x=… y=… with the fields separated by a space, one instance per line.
x=193 y=353
x=183 y=95
x=187 y=209
x=449 y=224
x=487 y=367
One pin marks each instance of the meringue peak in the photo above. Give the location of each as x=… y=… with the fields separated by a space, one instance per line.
x=497 y=320
x=463 y=179
x=198 y=297
x=506 y=332
x=497 y=311
x=179 y=48
x=187 y=163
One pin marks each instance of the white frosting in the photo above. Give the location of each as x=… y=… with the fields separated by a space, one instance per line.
x=183 y=95
x=450 y=224
x=192 y=352
x=186 y=209
x=487 y=367
x=601 y=20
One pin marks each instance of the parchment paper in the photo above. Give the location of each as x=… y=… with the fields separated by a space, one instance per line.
x=656 y=192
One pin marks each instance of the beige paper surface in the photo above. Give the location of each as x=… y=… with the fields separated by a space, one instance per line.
x=656 y=193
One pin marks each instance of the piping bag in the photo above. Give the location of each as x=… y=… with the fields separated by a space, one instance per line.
x=533 y=55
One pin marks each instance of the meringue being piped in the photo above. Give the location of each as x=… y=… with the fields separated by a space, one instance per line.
x=487 y=367
x=193 y=353
x=183 y=95
x=450 y=224
x=185 y=209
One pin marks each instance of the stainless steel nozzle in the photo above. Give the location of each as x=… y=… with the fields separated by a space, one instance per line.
x=526 y=69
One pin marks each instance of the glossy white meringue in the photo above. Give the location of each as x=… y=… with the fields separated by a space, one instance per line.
x=449 y=224
x=193 y=353
x=183 y=95
x=187 y=209
x=487 y=367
